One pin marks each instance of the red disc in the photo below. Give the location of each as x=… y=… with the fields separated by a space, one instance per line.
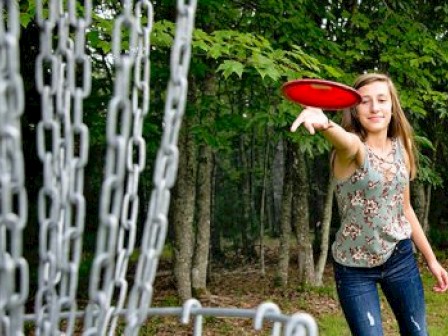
x=321 y=93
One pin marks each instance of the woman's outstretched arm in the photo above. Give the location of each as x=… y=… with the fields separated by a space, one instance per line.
x=347 y=145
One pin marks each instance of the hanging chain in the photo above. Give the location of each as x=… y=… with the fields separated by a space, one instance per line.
x=63 y=77
x=62 y=141
x=118 y=211
x=135 y=155
x=14 y=275
x=165 y=170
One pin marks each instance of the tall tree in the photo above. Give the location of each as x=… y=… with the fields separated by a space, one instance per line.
x=300 y=217
x=204 y=190
x=182 y=211
x=325 y=234
x=285 y=219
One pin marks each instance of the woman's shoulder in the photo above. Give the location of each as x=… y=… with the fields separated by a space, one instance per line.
x=402 y=141
x=398 y=143
x=342 y=169
x=401 y=150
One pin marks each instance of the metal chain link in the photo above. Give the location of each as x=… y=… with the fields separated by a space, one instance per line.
x=61 y=202
x=13 y=197
x=136 y=155
x=63 y=149
x=298 y=324
x=165 y=171
x=119 y=205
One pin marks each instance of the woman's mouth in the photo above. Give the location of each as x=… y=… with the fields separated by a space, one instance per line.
x=376 y=119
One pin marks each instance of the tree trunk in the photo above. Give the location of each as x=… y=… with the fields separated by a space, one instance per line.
x=204 y=189
x=425 y=222
x=419 y=199
x=262 y=205
x=300 y=218
x=182 y=211
x=424 y=219
x=246 y=239
x=269 y=210
x=325 y=234
x=215 y=229
x=278 y=172
x=285 y=218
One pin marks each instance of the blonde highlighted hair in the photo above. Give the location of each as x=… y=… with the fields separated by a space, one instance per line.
x=399 y=126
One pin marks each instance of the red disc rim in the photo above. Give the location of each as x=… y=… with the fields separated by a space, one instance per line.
x=324 y=94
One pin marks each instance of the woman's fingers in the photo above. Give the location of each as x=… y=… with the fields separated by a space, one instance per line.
x=309 y=126
x=311 y=119
x=295 y=125
x=442 y=279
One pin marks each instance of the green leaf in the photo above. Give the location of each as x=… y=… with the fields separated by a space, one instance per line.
x=25 y=18
x=105 y=46
x=230 y=67
x=424 y=142
x=93 y=38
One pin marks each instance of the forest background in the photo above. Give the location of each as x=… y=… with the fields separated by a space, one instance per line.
x=246 y=186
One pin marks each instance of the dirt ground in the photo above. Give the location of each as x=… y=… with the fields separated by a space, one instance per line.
x=243 y=287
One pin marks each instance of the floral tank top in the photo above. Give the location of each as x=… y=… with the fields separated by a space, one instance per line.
x=370 y=205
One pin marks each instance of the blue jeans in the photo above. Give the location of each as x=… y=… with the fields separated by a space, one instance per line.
x=400 y=281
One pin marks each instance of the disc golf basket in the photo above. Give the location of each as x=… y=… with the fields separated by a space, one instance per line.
x=62 y=147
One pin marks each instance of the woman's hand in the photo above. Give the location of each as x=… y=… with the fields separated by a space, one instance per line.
x=440 y=274
x=313 y=119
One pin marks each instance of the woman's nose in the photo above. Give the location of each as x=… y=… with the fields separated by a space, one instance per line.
x=375 y=107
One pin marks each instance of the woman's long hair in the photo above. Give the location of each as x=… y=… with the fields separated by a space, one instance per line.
x=399 y=125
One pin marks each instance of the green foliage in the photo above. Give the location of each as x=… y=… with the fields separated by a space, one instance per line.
x=251 y=49
x=228 y=67
x=438 y=237
x=27 y=10
x=241 y=52
x=423 y=142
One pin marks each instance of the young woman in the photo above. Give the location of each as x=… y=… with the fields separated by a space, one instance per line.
x=372 y=163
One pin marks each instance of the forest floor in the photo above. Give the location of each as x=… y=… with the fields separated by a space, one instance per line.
x=244 y=287
x=240 y=285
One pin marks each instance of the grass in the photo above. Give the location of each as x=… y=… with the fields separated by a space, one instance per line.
x=436 y=308
x=333 y=325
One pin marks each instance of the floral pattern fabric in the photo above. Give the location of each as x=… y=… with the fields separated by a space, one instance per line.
x=370 y=205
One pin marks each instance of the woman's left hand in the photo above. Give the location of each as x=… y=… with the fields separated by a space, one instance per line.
x=441 y=275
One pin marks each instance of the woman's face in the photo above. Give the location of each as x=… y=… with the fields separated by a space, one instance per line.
x=375 y=110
